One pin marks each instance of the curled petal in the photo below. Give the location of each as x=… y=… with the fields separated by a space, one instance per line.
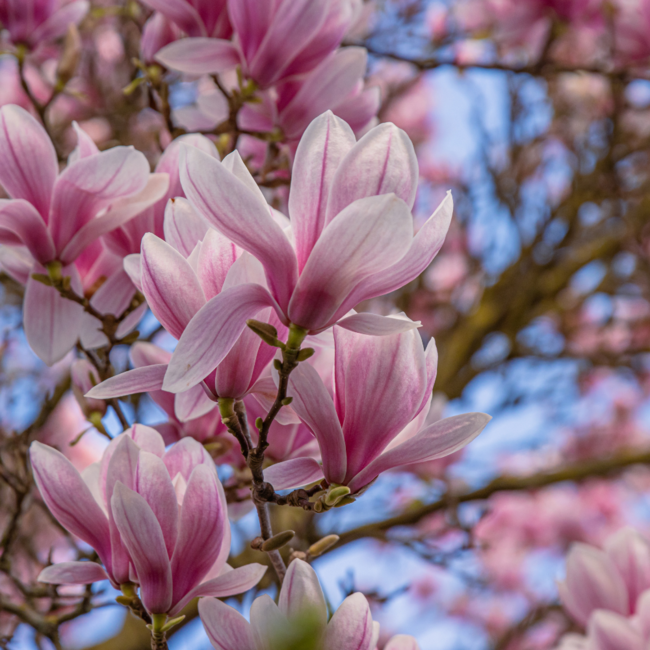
x=301 y=592
x=20 y=222
x=199 y=55
x=69 y=498
x=293 y=473
x=435 y=441
x=315 y=408
x=351 y=626
x=73 y=573
x=225 y=626
x=230 y=583
x=211 y=334
x=28 y=164
x=143 y=537
x=139 y=380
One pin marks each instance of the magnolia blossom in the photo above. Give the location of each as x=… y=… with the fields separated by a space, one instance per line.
x=301 y=613
x=350 y=206
x=196 y=17
x=155 y=518
x=611 y=579
x=33 y=22
x=56 y=217
x=274 y=40
x=382 y=394
x=337 y=84
x=177 y=277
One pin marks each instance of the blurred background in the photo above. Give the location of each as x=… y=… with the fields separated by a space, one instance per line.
x=536 y=114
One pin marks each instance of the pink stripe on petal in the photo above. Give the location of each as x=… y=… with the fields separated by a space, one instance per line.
x=301 y=592
x=170 y=285
x=143 y=537
x=367 y=237
x=121 y=211
x=382 y=162
x=28 y=163
x=211 y=334
x=200 y=533
x=20 y=219
x=152 y=482
x=322 y=147
x=184 y=229
x=69 y=498
x=336 y=76
x=230 y=583
x=435 y=441
x=315 y=407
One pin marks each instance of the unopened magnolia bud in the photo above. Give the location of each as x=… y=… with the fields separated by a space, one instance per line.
x=266 y=332
x=286 y=401
x=259 y=423
x=318 y=506
x=69 y=58
x=277 y=364
x=84 y=377
x=335 y=495
x=278 y=541
x=305 y=353
x=322 y=545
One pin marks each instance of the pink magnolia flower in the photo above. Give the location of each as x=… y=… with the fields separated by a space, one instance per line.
x=301 y=600
x=56 y=217
x=202 y=18
x=177 y=277
x=155 y=518
x=275 y=40
x=350 y=206
x=157 y=32
x=611 y=580
x=33 y=22
x=336 y=84
x=383 y=389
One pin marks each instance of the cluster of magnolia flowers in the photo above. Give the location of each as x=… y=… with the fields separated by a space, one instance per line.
x=354 y=405
x=607 y=591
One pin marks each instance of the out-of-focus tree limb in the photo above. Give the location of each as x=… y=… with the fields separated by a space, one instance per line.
x=578 y=472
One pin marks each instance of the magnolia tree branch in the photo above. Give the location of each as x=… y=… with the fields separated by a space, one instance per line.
x=577 y=472
x=233 y=416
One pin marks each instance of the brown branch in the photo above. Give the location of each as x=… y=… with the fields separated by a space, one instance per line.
x=577 y=472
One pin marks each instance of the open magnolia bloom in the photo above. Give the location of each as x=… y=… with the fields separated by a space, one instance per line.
x=275 y=40
x=56 y=217
x=156 y=519
x=382 y=394
x=352 y=239
x=299 y=620
x=34 y=22
x=612 y=579
x=178 y=277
